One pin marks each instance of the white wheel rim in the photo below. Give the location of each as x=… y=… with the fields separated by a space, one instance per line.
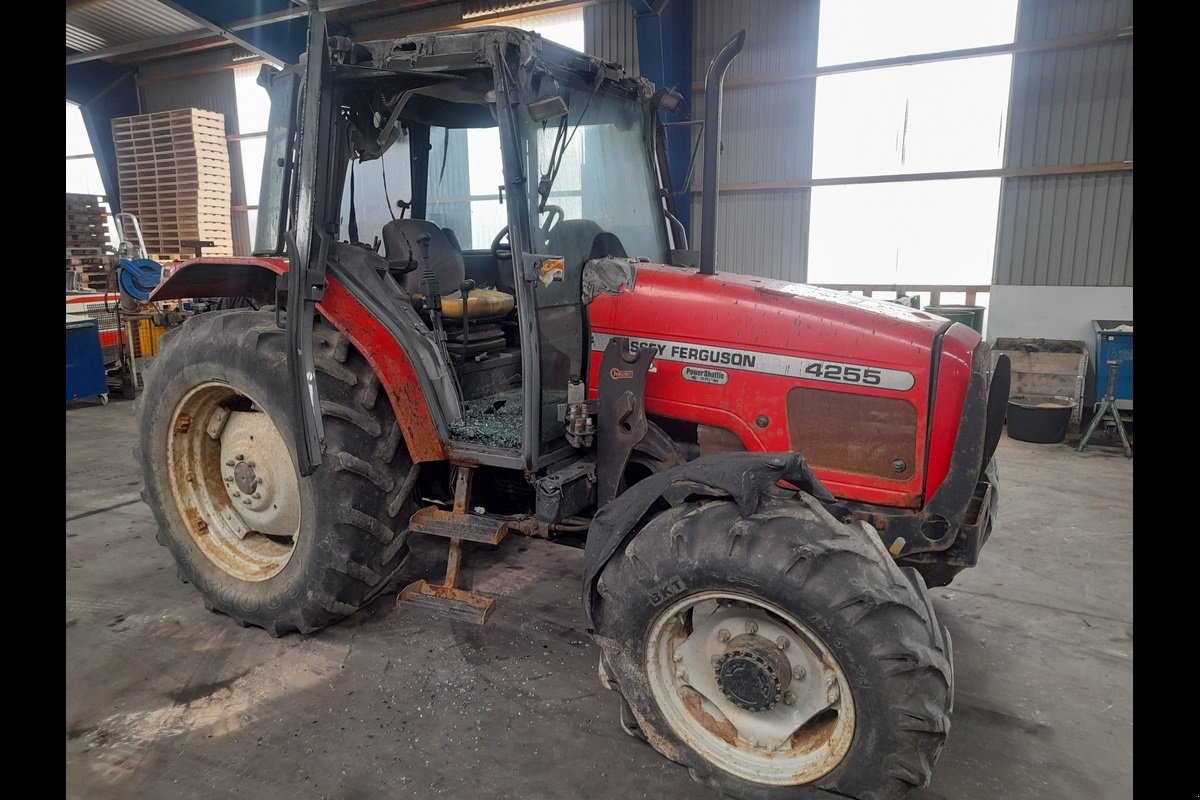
x=713 y=655
x=233 y=482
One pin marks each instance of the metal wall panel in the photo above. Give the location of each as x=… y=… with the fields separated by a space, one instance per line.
x=762 y=233
x=766 y=132
x=211 y=91
x=610 y=32
x=1067 y=230
x=1069 y=107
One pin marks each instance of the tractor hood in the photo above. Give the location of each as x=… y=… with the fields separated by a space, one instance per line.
x=761 y=315
x=769 y=366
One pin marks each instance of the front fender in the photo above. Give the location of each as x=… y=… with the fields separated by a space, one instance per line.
x=743 y=477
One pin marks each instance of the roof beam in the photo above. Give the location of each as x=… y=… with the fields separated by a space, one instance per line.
x=280 y=41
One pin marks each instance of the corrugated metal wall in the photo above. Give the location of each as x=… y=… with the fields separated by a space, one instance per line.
x=767 y=130
x=610 y=32
x=766 y=133
x=196 y=87
x=1069 y=107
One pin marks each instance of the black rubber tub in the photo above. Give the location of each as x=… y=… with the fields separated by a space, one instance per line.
x=1041 y=422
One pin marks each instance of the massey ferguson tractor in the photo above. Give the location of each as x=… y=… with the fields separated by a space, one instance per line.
x=474 y=313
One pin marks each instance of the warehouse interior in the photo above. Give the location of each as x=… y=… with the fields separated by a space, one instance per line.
x=960 y=163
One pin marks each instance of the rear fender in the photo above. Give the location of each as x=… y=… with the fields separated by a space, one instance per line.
x=257 y=278
x=221 y=277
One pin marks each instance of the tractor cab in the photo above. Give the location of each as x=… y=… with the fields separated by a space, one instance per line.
x=463 y=182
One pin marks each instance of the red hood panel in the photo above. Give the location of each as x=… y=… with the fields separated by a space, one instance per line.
x=731 y=347
x=767 y=315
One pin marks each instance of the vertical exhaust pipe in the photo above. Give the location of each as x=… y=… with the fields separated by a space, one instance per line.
x=714 y=84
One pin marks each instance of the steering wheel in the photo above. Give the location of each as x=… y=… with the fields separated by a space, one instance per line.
x=500 y=251
x=554 y=215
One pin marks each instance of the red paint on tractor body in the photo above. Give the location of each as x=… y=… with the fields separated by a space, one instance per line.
x=762 y=317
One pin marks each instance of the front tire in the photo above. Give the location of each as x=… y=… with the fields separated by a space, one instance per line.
x=260 y=543
x=780 y=655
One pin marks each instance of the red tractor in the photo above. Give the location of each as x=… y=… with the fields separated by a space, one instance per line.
x=475 y=313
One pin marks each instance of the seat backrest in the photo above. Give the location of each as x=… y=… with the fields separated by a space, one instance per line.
x=572 y=239
x=401 y=242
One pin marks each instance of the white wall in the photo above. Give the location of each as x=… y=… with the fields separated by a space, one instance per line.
x=1057 y=312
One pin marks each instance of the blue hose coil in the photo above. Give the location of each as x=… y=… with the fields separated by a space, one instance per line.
x=139 y=277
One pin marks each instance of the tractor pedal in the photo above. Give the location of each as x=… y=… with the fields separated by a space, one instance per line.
x=468 y=527
x=447 y=601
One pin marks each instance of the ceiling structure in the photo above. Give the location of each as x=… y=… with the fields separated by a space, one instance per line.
x=129 y=32
x=108 y=40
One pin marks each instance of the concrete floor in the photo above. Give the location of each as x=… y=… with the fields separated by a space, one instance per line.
x=165 y=700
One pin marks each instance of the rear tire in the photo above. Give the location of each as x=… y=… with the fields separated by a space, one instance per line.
x=853 y=703
x=260 y=543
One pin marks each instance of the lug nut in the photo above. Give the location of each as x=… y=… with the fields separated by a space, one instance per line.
x=833 y=694
x=798 y=672
x=246 y=501
x=782 y=643
x=789 y=698
x=677 y=657
x=237 y=494
x=723 y=636
x=229 y=463
x=751 y=626
x=681 y=673
x=715 y=660
x=257 y=495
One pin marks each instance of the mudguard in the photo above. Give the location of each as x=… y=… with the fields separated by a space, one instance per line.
x=743 y=477
x=423 y=425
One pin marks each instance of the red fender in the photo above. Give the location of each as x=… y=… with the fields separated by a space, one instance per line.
x=257 y=277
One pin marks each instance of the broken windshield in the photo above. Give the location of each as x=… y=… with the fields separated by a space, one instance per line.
x=595 y=168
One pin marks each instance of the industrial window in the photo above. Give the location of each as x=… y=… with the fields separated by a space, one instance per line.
x=83 y=175
x=941 y=120
x=253 y=110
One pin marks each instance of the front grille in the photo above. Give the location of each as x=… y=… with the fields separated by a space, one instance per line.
x=853 y=433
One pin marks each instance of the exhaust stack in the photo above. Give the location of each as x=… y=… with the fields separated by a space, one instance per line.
x=714 y=84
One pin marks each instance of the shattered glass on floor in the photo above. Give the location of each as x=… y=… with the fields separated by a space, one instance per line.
x=494 y=420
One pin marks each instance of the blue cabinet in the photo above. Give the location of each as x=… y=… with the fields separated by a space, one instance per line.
x=1114 y=342
x=85 y=361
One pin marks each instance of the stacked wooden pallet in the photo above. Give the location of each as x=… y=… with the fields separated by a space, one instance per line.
x=87 y=242
x=173 y=169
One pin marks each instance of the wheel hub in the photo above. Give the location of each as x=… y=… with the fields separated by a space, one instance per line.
x=753 y=673
x=258 y=474
x=245 y=477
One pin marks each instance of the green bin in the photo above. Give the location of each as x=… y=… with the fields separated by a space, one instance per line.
x=971 y=316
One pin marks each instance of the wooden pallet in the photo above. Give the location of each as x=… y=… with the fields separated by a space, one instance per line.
x=86 y=221
x=173 y=175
